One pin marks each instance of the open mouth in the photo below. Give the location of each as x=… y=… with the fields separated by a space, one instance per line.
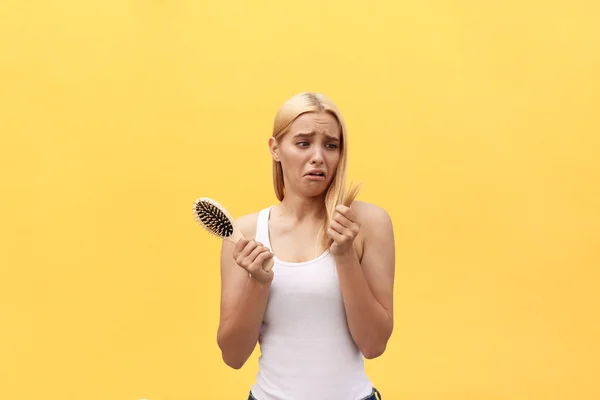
x=315 y=176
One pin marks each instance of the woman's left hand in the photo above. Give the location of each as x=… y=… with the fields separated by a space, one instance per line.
x=343 y=230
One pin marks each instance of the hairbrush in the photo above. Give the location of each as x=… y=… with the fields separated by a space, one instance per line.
x=215 y=219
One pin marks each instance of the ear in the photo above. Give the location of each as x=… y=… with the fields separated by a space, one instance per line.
x=274 y=147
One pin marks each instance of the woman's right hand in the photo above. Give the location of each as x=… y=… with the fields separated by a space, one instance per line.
x=251 y=255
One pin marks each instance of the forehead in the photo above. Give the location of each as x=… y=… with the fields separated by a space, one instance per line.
x=317 y=123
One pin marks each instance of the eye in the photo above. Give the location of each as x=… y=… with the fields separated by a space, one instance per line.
x=302 y=144
x=332 y=146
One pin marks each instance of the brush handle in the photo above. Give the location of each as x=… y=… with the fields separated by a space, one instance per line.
x=235 y=236
x=268 y=264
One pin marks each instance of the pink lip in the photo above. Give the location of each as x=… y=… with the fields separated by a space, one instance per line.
x=316 y=171
x=315 y=177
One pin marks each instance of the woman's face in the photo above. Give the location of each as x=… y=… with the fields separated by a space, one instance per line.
x=309 y=153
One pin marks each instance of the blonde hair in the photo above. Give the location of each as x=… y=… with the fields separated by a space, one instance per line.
x=337 y=193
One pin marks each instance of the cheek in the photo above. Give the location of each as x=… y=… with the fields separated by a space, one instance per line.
x=332 y=159
x=292 y=158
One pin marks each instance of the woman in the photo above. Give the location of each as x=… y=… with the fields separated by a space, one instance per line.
x=326 y=303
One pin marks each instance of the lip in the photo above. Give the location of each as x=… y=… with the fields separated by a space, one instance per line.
x=315 y=171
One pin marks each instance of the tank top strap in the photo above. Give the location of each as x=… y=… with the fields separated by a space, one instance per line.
x=262 y=227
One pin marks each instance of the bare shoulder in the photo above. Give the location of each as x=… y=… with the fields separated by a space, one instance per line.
x=376 y=231
x=371 y=215
x=247 y=224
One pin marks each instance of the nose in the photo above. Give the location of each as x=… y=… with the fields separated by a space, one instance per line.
x=317 y=157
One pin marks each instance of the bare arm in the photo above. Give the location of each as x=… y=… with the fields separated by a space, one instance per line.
x=367 y=286
x=243 y=298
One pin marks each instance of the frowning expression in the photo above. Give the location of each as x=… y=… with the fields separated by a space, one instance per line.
x=309 y=153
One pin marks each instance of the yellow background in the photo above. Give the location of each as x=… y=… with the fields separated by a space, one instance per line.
x=475 y=124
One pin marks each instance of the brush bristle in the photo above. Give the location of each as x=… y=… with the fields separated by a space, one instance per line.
x=213 y=219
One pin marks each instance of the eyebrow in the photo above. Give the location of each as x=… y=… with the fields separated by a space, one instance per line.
x=312 y=133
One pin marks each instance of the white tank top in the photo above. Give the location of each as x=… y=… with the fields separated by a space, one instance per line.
x=306 y=348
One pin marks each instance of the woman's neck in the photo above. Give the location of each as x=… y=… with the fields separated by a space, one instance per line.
x=302 y=209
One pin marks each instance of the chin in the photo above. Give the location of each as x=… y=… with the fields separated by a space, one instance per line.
x=314 y=194
x=312 y=190
x=320 y=192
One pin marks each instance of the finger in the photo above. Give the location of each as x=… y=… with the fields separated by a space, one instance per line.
x=250 y=246
x=257 y=265
x=239 y=246
x=348 y=228
x=335 y=235
x=257 y=250
x=260 y=259
x=269 y=263
x=342 y=220
x=342 y=230
x=347 y=212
